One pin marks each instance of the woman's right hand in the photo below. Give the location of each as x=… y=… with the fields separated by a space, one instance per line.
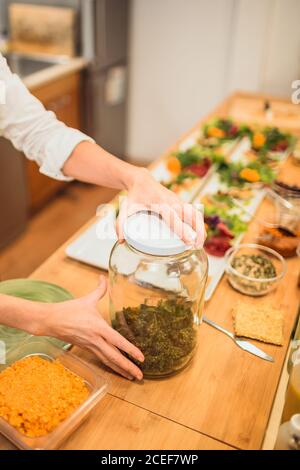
x=79 y=322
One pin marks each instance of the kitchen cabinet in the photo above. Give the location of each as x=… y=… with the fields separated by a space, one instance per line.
x=13 y=194
x=62 y=96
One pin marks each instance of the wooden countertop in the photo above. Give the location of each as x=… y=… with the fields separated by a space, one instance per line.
x=54 y=72
x=223 y=400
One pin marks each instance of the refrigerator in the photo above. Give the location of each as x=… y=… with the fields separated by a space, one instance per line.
x=104 y=42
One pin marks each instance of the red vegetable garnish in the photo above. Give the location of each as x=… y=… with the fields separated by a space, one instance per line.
x=217 y=245
x=281 y=146
x=233 y=130
x=224 y=230
x=199 y=169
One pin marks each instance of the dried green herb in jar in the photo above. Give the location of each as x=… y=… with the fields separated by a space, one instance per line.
x=164 y=333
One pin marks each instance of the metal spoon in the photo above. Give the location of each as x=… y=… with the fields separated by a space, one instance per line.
x=245 y=345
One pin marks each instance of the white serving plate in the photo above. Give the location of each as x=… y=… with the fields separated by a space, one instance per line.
x=216 y=265
x=95 y=244
x=162 y=174
x=239 y=154
x=189 y=141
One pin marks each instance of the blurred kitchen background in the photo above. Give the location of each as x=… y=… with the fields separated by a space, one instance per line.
x=135 y=75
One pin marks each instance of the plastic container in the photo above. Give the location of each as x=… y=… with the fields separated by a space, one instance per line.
x=249 y=284
x=292 y=397
x=96 y=384
x=289 y=217
x=157 y=287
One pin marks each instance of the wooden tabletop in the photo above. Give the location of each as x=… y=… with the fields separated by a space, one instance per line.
x=223 y=400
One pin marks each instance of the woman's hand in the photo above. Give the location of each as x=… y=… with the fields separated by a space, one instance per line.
x=79 y=322
x=144 y=193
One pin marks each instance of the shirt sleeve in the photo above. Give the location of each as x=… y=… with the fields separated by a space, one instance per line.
x=32 y=129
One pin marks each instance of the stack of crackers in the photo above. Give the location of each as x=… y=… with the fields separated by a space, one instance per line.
x=262 y=321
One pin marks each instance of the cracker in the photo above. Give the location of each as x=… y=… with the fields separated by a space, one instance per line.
x=263 y=322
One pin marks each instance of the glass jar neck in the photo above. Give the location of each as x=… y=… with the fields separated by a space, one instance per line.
x=165 y=258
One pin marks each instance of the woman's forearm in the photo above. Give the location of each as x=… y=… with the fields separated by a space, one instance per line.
x=22 y=314
x=92 y=164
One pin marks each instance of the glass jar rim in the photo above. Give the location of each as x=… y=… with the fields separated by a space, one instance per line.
x=183 y=254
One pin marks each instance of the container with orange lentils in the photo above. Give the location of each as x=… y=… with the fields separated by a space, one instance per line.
x=45 y=394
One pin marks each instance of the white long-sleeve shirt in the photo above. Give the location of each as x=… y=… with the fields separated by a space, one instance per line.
x=32 y=129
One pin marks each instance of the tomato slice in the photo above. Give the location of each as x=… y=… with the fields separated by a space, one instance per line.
x=217 y=245
x=199 y=169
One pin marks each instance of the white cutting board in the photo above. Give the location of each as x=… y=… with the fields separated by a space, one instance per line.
x=95 y=244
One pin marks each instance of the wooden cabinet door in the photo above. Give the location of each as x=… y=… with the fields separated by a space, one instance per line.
x=63 y=98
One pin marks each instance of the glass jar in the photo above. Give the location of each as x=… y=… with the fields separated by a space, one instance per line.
x=292 y=397
x=288 y=216
x=156 y=300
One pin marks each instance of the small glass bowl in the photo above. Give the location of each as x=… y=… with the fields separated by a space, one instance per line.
x=95 y=383
x=251 y=285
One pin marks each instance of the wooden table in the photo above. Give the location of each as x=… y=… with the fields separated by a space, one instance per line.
x=223 y=400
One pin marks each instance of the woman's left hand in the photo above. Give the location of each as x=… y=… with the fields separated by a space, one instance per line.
x=147 y=194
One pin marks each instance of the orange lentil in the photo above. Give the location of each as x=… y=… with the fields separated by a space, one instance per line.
x=36 y=395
